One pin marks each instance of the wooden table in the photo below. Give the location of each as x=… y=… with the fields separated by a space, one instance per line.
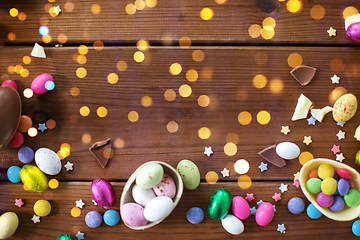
x=226 y=60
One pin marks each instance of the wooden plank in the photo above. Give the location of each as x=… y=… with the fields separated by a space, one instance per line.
x=63 y=200
x=168 y=21
x=230 y=91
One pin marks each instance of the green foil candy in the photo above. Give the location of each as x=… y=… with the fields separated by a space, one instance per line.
x=219 y=204
x=64 y=237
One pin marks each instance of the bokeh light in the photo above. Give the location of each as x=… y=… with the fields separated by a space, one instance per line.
x=198 y=55
x=172 y=126
x=86 y=138
x=211 y=177
x=139 y=56
x=267 y=33
x=10 y=69
x=220 y=1
x=304 y=157
x=75 y=212
x=50 y=124
x=74 y=91
x=46 y=39
x=244 y=181
x=62 y=38
x=133 y=116
x=119 y=143
x=142 y=45
x=263 y=117
x=44 y=30
x=169 y=95
x=121 y=66
x=175 y=69
x=130 y=9
x=150 y=3
x=102 y=111
x=317 y=12
x=82 y=49
x=294 y=6
x=113 y=78
x=244 y=118
x=108 y=153
x=98 y=45
x=84 y=111
x=294 y=60
x=53 y=183
x=139 y=4
x=349 y=11
x=336 y=93
x=203 y=101
x=69 y=6
x=13 y=12
x=230 y=149
x=65 y=149
x=146 y=101
x=241 y=166
x=11 y=36
x=81 y=59
x=28 y=93
x=254 y=31
x=184 y=42
x=259 y=81
x=32 y=132
x=206 y=14
x=81 y=72
x=269 y=23
x=49 y=85
x=192 y=75
x=185 y=90
x=22 y=16
x=18 y=68
x=232 y=137
x=25 y=73
x=95 y=8
x=204 y=133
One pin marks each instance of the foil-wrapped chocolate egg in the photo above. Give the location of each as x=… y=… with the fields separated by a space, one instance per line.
x=352 y=27
x=103 y=193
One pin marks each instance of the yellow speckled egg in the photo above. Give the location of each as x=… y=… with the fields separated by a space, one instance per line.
x=9 y=222
x=33 y=178
x=345 y=107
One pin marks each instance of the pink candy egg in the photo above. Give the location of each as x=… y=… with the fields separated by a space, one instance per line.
x=166 y=187
x=133 y=214
x=264 y=214
x=240 y=207
x=10 y=83
x=40 y=84
x=17 y=140
x=343 y=173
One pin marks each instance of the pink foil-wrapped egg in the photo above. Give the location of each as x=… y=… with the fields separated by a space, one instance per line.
x=40 y=84
x=103 y=193
x=352 y=27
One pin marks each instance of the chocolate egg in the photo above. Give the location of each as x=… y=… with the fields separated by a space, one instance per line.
x=219 y=204
x=10 y=112
x=103 y=193
x=33 y=178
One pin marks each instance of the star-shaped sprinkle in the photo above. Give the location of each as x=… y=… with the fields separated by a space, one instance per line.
x=263 y=166
x=57 y=10
x=296 y=183
x=249 y=197
x=42 y=127
x=307 y=140
x=285 y=129
x=335 y=79
x=69 y=166
x=296 y=176
x=331 y=32
x=340 y=135
x=95 y=203
x=253 y=210
x=276 y=196
x=35 y=218
x=335 y=149
x=283 y=187
x=274 y=208
x=208 y=151
x=311 y=120
x=260 y=202
x=80 y=235
x=281 y=228
x=340 y=157
x=225 y=172
x=80 y=203
x=341 y=124
x=18 y=202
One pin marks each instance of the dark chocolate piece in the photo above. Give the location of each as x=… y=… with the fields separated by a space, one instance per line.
x=98 y=148
x=303 y=74
x=271 y=156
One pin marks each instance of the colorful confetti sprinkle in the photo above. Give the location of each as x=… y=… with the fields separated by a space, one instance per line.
x=69 y=166
x=311 y=120
x=335 y=149
x=307 y=140
x=276 y=196
x=35 y=218
x=340 y=157
x=80 y=235
x=249 y=197
x=225 y=172
x=285 y=129
x=18 y=202
x=208 y=151
x=283 y=187
x=263 y=167
x=331 y=32
x=281 y=228
x=296 y=183
x=80 y=203
x=340 y=135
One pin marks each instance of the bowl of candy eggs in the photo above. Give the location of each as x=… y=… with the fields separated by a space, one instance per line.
x=150 y=195
x=332 y=187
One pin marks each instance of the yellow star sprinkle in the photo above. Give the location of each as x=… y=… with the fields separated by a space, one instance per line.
x=57 y=10
x=331 y=32
x=296 y=176
x=307 y=140
x=285 y=129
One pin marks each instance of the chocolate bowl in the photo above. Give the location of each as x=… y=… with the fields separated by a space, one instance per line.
x=347 y=213
x=126 y=195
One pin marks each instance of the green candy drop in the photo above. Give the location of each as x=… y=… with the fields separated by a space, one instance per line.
x=313 y=185
x=352 y=198
x=64 y=237
x=219 y=204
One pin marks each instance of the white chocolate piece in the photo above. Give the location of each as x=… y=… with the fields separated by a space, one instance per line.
x=302 y=108
x=350 y=20
x=357 y=133
x=327 y=109
x=38 y=51
x=319 y=114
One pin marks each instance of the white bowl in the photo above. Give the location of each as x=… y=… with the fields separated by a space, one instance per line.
x=126 y=195
x=347 y=213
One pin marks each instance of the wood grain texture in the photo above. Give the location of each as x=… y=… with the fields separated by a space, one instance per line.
x=168 y=21
x=174 y=226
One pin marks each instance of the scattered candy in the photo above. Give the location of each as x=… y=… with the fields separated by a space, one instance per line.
x=313 y=185
x=42 y=208
x=225 y=172
x=69 y=166
x=253 y=211
x=338 y=204
x=296 y=183
x=195 y=215
x=103 y=192
x=18 y=202
x=166 y=187
x=344 y=173
x=133 y=214
x=64 y=237
x=219 y=204
x=98 y=149
x=249 y=197
x=296 y=205
x=283 y=187
x=26 y=155
x=259 y=202
x=311 y=120
x=208 y=151
x=307 y=140
x=343 y=186
x=276 y=196
x=25 y=123
x=313 y=212
x=57 y=10
x=340 y=135
x=281 y=228
x=356 y=228
x=94 y=202
x=303 y=74
x=325 y=171
x=13 y=174
x=80 y=203
x=296 y=176
x=287 y=150
x=48 y=161
x=240 y=207
x=80 y=235
x=93 y=219
x=352 y=198
x=111 y=217
x=319 y=114
x=264 y=214
x=335 y=79
x=38 y=85
x=341 y=124
x=158 y=208
x=189 y=173
x=10 y=83
x=302 y=108
x=345 y=107
x=38 y=51
x=17 y=140
x=271 y=156
x=263 y=167
x=35 y=219
x=331 y=32
x=329 y=186
x=33 y=178
x=285 y=129
x=335 y=149
x=232 y=224
x=340 y=157
x=9 y=222
x=42 y=127
x=324 y=200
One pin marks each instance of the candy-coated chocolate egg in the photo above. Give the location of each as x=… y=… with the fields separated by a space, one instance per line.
x=329 y=186
x=343 y=186
x=47 y=161
x=111 y=217
x=38 y=84
x=26 y=155
x=33 y=178
x=287 y=150
x=25 y=123
x=325 y=171
x=158 y=208
x=324 y=200
x=313 y=212
x=264 y=214
x=355 y=228
x=64 y=237
x=313 y=185
x=219 y=204
x=338 y=204
x=93 y=219
x=133 y=214
x=142 y=196
x=103 y=192
x=149 y=175
x=344 y=173
x=166 y=187
x=232 y=224
x=17 y=140
x=42 y=208
x=13 y=174
x=352 y=198
x=9 y=222
x=189 y=173
x=10 y=109
x=195 y=215
x=345 y=107
x=10 y=83
x=296 y=205
x=240 y=207
x=314 y=173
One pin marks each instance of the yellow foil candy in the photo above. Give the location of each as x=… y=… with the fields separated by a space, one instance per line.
x=33 y=178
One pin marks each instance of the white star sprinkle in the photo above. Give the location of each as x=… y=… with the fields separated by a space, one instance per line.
x=80 y=203
x=335 y=79
x=225 y=172
x=340 y=157
x=331 y=32
x=80 y=235
x=340 y=135
x=208 y=151
x=283 y=187
x=35 y=218
x=57 y=10
x=281 y=228
x=69 y=166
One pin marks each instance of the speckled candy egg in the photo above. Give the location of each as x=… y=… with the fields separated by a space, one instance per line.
x=48 y=161
x=133 y=214
x=9 y=222
x=149 y=175
x=158 y=208
x=287 y=150
x=345 y=107
x=103 y=192
x=264 y=214
x=142 y=196
x=189 y=173
x=232 y=224
x=33 y=178
x=166 y=187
